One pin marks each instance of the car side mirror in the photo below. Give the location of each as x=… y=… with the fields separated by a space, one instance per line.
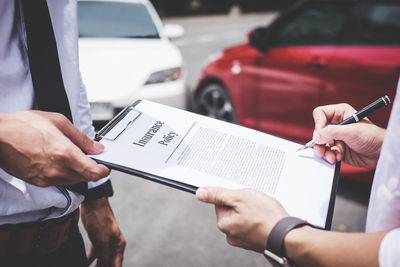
x=174 y=31
x=260 y=38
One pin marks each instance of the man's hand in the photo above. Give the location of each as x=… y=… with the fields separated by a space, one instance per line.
x=358 y=144
x=45 y=149
x=246 y=216
x=108 y=244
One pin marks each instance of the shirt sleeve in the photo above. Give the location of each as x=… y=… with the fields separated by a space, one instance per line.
x=102 y=187
x=389 y=251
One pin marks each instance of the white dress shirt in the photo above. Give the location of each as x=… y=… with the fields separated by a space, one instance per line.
x=384 y=205
x=20 y=201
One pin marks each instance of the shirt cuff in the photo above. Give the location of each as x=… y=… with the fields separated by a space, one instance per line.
x=99 y=189
x=389 y=249
x=98 y=183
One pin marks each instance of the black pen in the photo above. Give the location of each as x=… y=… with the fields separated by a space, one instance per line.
x=359 y=115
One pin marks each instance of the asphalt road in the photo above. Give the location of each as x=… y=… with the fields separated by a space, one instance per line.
x=167 y=227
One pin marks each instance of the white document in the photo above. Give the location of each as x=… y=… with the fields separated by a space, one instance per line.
x=201 y=151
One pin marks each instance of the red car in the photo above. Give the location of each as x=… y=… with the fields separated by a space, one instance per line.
x=316 y=53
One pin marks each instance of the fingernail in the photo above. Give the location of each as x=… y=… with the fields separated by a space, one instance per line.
x=98 y=147
x=335 y=149
x=201 y=194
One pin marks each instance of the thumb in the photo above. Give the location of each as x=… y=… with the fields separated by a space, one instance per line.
x=77 y=137
x=216 y=195
x=333 y=132
x=86 y=144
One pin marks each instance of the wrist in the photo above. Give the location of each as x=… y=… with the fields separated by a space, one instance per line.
x=298 y=243
x=95 y=204
x=276 y=248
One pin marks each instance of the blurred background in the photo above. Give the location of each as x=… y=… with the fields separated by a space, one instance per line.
x=261 y=64
x=206 y=7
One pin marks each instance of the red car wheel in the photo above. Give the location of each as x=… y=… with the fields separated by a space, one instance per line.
x=214 y=101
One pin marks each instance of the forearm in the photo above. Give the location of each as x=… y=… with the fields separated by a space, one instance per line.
x=96 y=205
x=311 y=247
x=2 y=132
x=5 y=131
x=104 y=233
x=3 y=126
x=99 y=212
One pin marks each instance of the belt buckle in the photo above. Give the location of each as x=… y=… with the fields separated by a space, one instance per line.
x=43 y=236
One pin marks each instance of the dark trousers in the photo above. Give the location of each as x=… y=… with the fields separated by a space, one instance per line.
x=70 y=254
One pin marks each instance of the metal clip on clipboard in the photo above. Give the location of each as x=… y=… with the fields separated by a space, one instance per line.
x=114 y=128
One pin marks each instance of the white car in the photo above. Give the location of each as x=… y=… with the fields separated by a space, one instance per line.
x=126 y=54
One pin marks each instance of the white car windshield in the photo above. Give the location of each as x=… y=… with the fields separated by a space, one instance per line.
x=99 y=19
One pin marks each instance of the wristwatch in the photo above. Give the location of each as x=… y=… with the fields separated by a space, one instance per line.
x=275 y=252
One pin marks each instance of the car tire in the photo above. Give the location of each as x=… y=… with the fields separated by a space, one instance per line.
x=213 y=100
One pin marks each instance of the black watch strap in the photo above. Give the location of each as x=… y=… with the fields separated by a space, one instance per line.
x=275 y=251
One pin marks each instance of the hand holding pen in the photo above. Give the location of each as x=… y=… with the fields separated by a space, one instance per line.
x=357 y=144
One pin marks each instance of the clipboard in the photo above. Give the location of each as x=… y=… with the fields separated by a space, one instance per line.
x=111 y=126
x=121 y=122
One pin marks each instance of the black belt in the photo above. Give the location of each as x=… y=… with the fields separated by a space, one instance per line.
x=39 y=237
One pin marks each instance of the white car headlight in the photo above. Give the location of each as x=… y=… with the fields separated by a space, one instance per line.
x=165 y=76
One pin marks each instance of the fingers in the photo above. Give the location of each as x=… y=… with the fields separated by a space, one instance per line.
x=331 y=154
x=70 y=147
x=331 y=114
x=216 y=195
x=72 y=157
x=101 y=254
x=103 y=231
x=55 y=176
x=88 y=168
x=118 y=256
x=223 y=212
x=320 y=118
x=334 y=132
x=51 y=151
x=92 y=173
x=71 y=150
x=91 y=256
x=118 y=259
x=109 y=254
x=77 y=137
x=106 y=259
x=78 y=161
